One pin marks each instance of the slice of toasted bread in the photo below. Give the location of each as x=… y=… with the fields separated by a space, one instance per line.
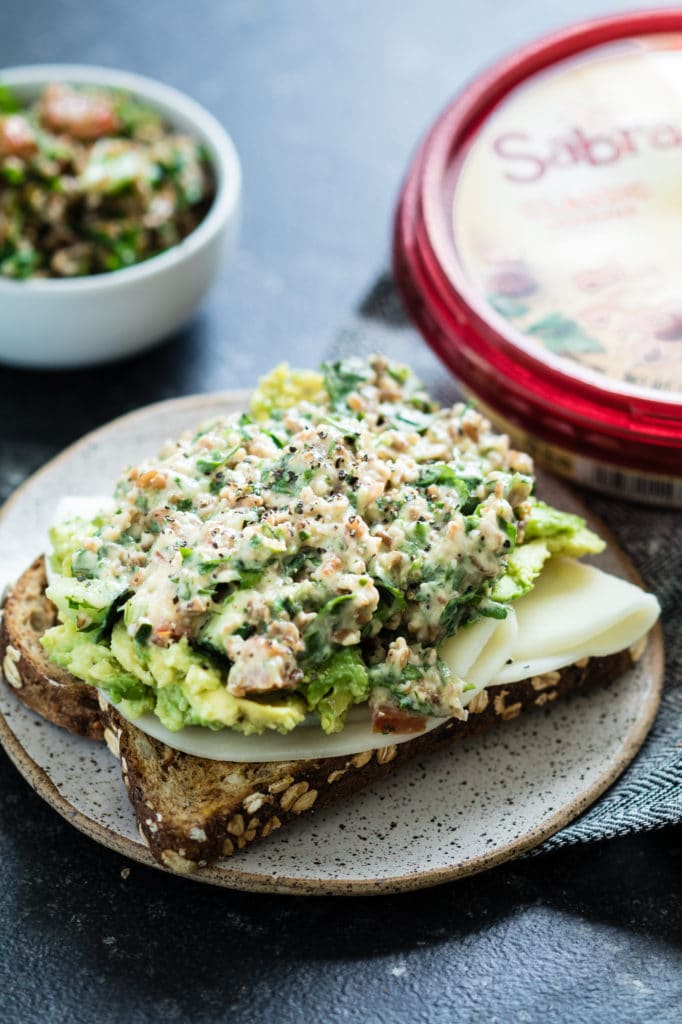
x=53 y=693
x=193 y=810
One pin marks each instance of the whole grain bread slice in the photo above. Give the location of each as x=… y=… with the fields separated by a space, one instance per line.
x=52 y=692
x=192 y=810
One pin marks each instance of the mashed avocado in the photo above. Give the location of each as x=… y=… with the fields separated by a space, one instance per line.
x=304 y=557
x=284 y=388
x=341 y=682
x=548 y=531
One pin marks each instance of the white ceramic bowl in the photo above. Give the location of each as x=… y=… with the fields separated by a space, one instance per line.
x=87 y=320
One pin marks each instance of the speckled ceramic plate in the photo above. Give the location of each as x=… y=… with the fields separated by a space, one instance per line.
x=448 y=815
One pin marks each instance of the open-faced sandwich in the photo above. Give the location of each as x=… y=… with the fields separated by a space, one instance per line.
x=284 y=605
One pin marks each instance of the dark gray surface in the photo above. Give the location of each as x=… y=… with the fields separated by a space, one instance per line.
x=325 y=102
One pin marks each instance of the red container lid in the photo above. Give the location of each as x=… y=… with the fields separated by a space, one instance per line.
x=538 y=239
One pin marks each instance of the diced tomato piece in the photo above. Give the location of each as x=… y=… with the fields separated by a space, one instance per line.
x=17 y=137
x=79 y=114
x=387 y=718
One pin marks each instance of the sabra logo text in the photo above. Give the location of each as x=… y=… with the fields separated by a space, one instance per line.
x=527 y=159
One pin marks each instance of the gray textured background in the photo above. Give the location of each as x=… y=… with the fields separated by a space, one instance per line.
x=326 y=102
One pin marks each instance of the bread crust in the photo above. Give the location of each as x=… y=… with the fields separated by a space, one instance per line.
x=193 y=810
x=42 y=686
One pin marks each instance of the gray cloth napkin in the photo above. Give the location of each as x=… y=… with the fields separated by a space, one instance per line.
x=649 y=794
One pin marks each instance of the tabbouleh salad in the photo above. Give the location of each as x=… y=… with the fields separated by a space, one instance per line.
x=92 y=180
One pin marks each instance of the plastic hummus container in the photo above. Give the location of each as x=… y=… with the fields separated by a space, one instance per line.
x=538 y=247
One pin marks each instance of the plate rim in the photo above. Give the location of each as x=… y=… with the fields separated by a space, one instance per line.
x=249 y=881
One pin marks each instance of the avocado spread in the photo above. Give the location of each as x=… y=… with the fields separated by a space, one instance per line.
x=304 y=557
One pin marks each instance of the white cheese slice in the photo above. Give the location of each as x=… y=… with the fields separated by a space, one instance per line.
x=479 y=651
x=574 y=611
x=305 y=741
